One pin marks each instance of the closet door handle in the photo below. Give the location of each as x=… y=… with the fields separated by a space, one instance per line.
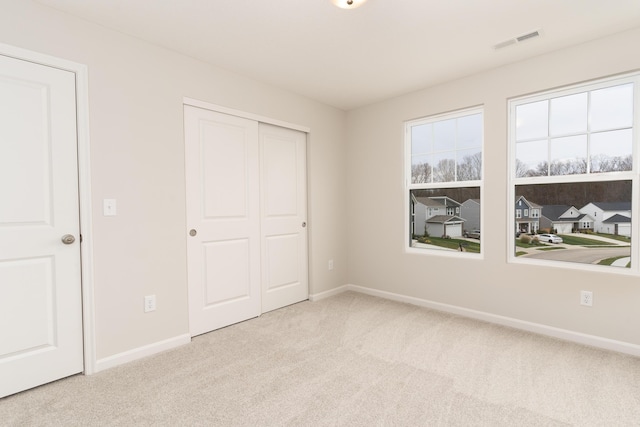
x=304 y=224
x=68 y=239
x=192 y=232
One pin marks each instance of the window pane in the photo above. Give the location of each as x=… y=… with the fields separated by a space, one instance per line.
x=532 y=120
x=532 y=158
x=593 y=219
x=469 y=131
x=444 y=135
x=421 y=139
x=469 y=165
x=568 y=115
x=569 y=155
x=444 y=167
x=612 y=151
x=420 y=169
x=446 y=219
x=611 y=108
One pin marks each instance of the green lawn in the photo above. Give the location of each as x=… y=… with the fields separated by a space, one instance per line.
x=455 y=244
x=615 y=237
x=571 y=239
x=609 y=261
x=550 y=248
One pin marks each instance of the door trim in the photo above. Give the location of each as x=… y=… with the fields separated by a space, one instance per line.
x=288 y=125
x=84 y=189
x=256 y=117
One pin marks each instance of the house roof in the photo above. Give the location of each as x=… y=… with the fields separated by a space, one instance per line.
x=445 y=219
x=437 y=201
x=531 y=204
x=617 y=219
x=428 y=201
x=446 y=200
x=554 y=212
x=613 y=206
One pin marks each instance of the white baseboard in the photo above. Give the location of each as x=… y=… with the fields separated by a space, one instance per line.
x=140 y=352
x=329 y=293
x=564 y=334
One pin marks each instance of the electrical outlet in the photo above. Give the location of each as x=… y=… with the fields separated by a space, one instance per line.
x=586 y=298
x=149 y=303
x=330 y=264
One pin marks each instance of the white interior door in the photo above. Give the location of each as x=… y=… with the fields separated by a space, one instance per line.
x=284 y=216
x=40 y=293
x=223 y=215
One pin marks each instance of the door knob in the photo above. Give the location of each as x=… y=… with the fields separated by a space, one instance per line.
x=192 y=232
x=68 y=239
x=304 y=224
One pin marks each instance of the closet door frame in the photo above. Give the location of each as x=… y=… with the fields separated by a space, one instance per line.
x=189 y=102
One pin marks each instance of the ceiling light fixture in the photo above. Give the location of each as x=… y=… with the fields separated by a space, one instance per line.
x=348 y=4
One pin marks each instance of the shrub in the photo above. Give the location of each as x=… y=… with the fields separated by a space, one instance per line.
x=525 y=238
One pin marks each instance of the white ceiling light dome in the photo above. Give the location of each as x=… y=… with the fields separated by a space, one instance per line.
x=348 y=4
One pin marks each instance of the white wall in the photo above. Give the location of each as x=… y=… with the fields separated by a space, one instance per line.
x=136 y=92
x=377 y=259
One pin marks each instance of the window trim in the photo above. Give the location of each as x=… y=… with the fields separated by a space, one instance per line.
x=633 y=175
x=408 y=186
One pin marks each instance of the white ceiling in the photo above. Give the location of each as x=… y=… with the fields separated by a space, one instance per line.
x=350 y=58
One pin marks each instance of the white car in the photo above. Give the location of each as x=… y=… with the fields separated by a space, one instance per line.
x=473 y=234
x=549 y=238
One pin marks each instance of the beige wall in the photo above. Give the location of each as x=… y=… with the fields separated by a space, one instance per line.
x=135 y=100
x=543 y=295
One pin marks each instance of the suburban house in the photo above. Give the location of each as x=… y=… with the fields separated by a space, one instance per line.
x=437 y=216
x=527 y=216
x=564 y=219
x=470 y=211
x=610 y=217
x=143 y=98
x=617 y=224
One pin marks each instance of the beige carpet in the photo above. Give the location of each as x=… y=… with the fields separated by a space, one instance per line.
x=350 y=360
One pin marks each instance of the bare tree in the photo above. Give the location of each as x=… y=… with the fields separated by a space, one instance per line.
x=542 y=169
x=522 y=170
x=445 y=171
x=470 y=168
x=421 y=173
x=604 y=163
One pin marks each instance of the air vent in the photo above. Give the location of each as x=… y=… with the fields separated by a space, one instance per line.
x=519 y=39
x=528 y=36
x=505 y=44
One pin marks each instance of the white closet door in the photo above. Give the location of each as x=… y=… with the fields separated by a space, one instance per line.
x=40 y=293
x=223 y=217
x=283 y=179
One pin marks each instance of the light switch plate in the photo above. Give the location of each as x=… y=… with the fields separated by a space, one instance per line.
x=109 y=207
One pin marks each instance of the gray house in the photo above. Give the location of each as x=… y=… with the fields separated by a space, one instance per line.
x=470 y=211
x=527 y=215
x=438 y=216
x=564 y=219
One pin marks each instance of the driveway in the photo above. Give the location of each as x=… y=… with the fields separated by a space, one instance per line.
x=581 y=254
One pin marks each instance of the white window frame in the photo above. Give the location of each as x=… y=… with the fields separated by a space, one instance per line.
x=632 y=175
x=409 y=186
